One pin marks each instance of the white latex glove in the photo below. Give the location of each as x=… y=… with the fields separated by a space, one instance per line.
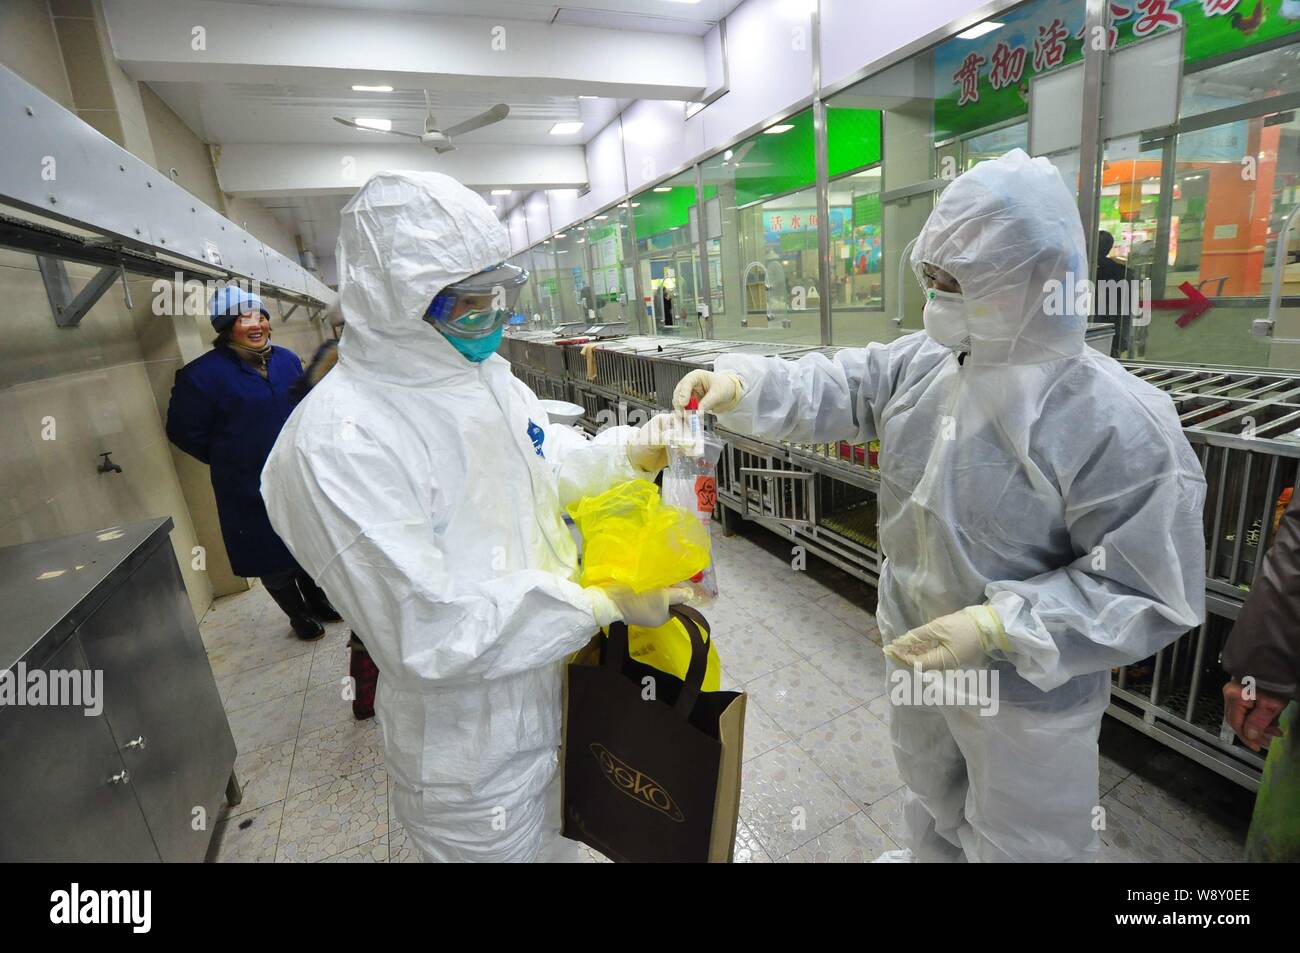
x=718 y=393
x=959 y=640
x=648 y=448
x=647 y=609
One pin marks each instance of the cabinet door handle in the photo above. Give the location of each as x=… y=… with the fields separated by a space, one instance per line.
x=122 y=777
x=137 y=743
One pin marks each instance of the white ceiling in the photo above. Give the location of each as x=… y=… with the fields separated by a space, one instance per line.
x=316 y=217
x=260 y=113
x=651 y=16
x=221 y=113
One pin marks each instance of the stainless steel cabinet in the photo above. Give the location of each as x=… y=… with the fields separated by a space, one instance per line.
x=67 y=797
x=143 y=779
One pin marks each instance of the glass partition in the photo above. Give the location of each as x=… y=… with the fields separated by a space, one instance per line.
x=889 y=202
x=858 y=306
x=668 y=254
x=546 y=286
x=761 y=212
x=571 y=278
x=1196 y=208
x=609 y=266
x=527 y=311
x=1201 y=210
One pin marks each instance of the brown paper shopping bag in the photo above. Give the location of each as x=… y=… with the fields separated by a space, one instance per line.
x=650 y=762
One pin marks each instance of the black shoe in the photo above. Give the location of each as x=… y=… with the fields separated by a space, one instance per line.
x=290 y=600
x=317 y=603
x=307 y=628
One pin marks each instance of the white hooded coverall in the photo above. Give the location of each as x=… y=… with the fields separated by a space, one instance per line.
x=1038 y=477
x=424 y=493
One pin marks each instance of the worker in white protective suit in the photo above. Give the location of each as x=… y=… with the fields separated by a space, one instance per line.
x=422 y=486
x=1040 y=514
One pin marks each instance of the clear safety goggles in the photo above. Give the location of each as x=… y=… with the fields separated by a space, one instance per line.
x=479 y=305
x=934 y=279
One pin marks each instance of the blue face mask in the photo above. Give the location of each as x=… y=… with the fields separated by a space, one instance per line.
x=477 y=350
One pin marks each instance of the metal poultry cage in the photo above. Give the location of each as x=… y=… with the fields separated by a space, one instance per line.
x=833 y=519
x=1245 y=429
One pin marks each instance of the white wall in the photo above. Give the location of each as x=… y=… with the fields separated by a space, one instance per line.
x=856 y=33
x=769 y=57
x=770 y=74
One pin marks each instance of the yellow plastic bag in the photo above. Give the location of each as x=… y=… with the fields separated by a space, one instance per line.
x=631 y=538
x=668 y=648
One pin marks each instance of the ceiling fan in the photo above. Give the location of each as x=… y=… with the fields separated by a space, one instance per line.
x=737 y=161
x=440 y=139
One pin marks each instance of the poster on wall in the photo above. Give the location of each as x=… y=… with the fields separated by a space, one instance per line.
x=984 y=81
x=868 y=234
x=780 y=224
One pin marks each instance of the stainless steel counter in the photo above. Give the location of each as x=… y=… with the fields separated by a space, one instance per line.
x=48 y=588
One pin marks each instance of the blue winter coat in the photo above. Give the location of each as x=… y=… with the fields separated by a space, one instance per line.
x=226 y=414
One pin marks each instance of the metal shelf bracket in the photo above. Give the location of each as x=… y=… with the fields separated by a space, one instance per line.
x=68 y=310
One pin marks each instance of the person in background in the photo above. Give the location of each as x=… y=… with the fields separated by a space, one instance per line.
x=423 y=483
x=1262 y=700
x=361 y=667
x=1040 y=515
x=226 y=410
x=1111 y=296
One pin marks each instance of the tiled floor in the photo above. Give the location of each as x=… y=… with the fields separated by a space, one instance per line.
x=819 y=779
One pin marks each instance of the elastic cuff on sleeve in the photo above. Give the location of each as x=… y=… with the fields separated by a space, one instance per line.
x=989 y=624
x=603 y=607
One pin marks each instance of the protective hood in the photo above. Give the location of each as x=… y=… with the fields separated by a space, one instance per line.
x=1006 y=230
x=403 y=238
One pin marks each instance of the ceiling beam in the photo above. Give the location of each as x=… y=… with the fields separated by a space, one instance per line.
x=256 y=171
x=220 y=42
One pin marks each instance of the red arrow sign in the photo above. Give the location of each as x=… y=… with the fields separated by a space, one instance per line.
x=1194 y=305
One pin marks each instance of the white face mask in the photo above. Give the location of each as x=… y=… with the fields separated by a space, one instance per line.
x=946 y=319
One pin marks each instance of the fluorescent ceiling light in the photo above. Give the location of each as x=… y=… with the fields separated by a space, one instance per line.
x=975 y=32
x=778 y=129
x=372 y=89
x=381 y=125
x=663 y=188
x=636 y=204
x=584 y=96
x=726 y=156
x=501 y=191
x=565 y=128
x=601 y=218
x=559 y=234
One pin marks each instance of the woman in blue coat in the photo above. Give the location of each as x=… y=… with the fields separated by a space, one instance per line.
x=227 y=408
